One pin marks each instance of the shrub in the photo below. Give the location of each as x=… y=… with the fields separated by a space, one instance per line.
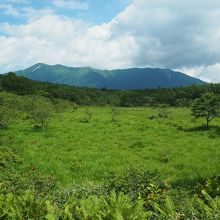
x=134 y=182
x=115 y=114
x=164 y=112
x=88 y=116
x=63 y=105
x=41 y=110
x=7 y=115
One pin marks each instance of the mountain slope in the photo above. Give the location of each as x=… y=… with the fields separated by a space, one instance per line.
x=135 y=78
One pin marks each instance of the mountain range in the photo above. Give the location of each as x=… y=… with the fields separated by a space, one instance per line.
x=120 y=79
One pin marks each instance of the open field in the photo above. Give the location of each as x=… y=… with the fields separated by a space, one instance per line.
x=75 y=151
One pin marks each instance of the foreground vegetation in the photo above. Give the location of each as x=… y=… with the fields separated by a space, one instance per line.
x=77 y=149
x=59 y=160
x=114 y=206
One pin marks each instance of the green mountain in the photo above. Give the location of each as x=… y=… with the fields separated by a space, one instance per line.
x=122 y=79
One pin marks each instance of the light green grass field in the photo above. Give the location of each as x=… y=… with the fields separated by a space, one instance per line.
x=86 y=153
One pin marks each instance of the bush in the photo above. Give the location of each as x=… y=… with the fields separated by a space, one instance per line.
x=6 y=117
x=41 y=109
x=88 y=116
x=164 y=112
x=63 y=105
x=115 y=114
x=134 y=182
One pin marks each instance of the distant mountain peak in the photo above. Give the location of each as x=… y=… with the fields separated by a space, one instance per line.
x=130 y=79
x=38 y=66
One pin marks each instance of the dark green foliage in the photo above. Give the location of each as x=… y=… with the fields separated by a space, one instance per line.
x=211 y=186
x=208 y=107
x=134 y=182
x=41 y=109
x=21 y=85
x=181 y=96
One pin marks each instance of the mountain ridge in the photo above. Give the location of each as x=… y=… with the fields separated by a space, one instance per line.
x=119 y=79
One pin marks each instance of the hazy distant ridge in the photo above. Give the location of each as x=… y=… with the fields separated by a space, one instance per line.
x=134 y=78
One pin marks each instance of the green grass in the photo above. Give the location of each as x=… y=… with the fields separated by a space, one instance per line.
x=76 y=152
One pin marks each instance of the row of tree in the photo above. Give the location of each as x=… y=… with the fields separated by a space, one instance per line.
x=181 y=96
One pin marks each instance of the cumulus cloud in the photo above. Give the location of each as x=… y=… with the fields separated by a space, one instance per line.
x=210 y=73
x=180 y=35
x=52 y=39
x=173 y=34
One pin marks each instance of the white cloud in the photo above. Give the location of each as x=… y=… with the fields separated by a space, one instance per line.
x=210 y=73
x=173 y=34
x=52 y=39
x=24 y=12
x=70 y=4
x=32 y=14
x=164 y=33
x=8 y=9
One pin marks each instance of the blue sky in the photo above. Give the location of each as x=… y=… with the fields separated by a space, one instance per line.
x=109 y=34
x=92 y=11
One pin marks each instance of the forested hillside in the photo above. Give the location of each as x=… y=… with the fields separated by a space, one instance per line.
x=181 y=96
x=121 y=79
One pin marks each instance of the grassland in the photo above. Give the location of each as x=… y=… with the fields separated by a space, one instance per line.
x=79 y=152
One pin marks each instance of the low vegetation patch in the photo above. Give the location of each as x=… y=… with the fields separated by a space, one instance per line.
x=59 y=160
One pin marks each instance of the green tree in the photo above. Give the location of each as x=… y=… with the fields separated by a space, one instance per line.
x=115 y=114
x=207 y=106
x=41 y=110
x=88 y=115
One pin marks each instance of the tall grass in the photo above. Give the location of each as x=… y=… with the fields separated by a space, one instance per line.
x=76 y=151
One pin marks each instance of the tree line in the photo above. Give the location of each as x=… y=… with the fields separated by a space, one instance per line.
x=181 y=96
